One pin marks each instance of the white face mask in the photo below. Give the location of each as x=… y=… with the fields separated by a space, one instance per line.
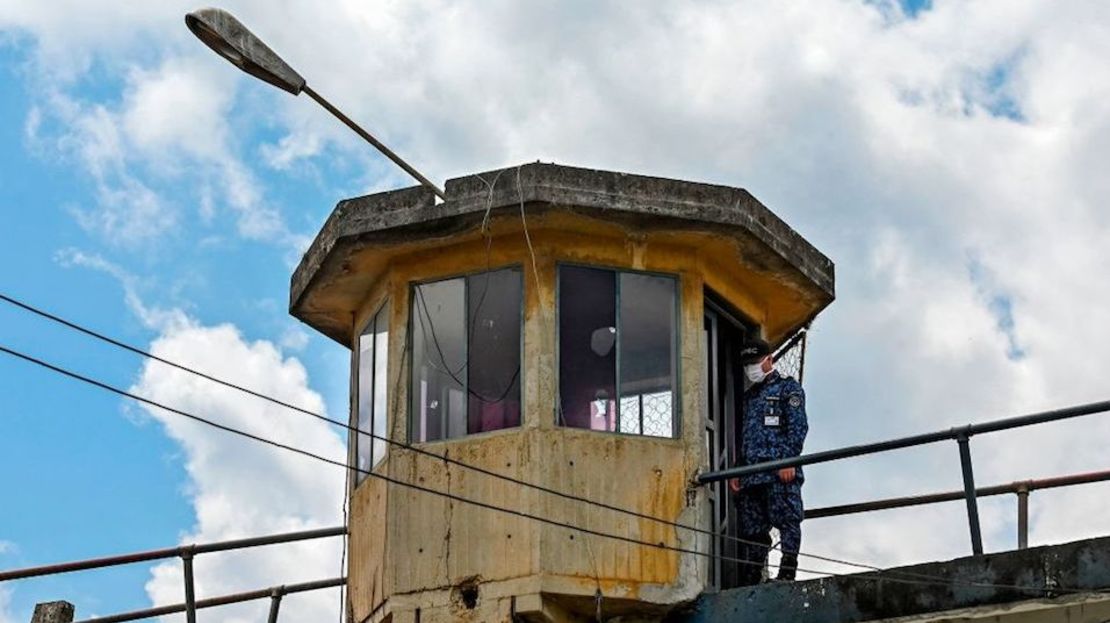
x=754 y=372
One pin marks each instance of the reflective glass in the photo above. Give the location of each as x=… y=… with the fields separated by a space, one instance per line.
x=494 y=315
x=647 y=330
x=381 y=381
x=365 y=398
x=439 y=360
x=587 y=348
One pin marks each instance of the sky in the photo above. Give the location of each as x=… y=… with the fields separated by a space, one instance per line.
x=948 y=156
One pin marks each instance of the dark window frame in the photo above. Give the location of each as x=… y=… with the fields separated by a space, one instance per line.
x=676 y=346
x=411 y=414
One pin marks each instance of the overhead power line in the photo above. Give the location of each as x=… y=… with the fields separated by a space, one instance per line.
x=400 y=444
x=881 y=574
x=389 y=479
x=439 y=457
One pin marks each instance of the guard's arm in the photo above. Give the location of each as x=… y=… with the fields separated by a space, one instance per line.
x=797 y=423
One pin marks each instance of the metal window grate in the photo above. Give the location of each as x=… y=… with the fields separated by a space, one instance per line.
x=790 y=358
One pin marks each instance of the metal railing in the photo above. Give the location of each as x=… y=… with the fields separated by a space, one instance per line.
x=186 y=553
x=961 y=434
x=275 y=593
x=1021 y=489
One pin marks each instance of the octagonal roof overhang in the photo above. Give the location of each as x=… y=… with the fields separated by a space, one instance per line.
x=326 y=290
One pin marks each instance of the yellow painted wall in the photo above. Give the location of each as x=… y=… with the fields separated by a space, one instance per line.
x=407 y=544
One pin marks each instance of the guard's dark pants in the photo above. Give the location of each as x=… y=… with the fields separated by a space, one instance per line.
x=760 y=508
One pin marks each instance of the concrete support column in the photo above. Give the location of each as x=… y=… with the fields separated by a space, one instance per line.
x=53 y=612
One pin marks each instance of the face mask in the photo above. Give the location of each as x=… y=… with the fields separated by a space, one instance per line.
x=755 y=372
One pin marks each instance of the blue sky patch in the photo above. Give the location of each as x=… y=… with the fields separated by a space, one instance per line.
x=898 y=10
x=914 y=7
x=999 y=304
x=1000 y=100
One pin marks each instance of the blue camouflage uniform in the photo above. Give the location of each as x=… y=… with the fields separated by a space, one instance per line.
x=774 y=427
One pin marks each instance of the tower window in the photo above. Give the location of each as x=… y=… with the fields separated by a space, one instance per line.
x=617 y=345
x=466 y=340
x=372 y=359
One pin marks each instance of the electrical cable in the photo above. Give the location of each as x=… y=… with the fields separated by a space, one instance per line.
x=883 y=573
x=289 y=448
x=399 y=444
x=426 y=323
x=485 y=229
x=424 y=328
x=343 y=556
x=527 y=236
x=407 y=446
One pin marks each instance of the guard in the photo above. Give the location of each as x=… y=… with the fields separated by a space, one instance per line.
x=774 y=426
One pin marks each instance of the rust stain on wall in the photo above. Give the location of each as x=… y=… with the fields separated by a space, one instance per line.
x=409 y=543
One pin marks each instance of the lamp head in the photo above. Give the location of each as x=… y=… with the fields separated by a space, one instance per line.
x=229 y=38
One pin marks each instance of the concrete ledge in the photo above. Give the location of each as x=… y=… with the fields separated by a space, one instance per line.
x=412 y=212
x=1082 y=565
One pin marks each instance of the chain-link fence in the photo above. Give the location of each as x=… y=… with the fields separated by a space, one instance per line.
x=647 y=414
x=790 y=358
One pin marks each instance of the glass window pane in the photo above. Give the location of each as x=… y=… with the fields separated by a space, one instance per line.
x=494 y=301
x=647 y=328
x=365 y=399
x=439 y=360
x=381 y=380
x=587 y=348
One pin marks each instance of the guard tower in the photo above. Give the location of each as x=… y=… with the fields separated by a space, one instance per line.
x=565 y=327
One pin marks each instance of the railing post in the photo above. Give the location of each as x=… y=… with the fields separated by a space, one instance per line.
x=275 y=603
x=190 y=594
x=969 y=493
x=53 y=612
x=1023 y=515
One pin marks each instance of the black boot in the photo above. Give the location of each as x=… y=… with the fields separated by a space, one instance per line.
x=749 y=572
x=754 y=554
x=788 y=566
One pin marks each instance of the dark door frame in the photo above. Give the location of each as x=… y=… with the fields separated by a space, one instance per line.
x=724 y=331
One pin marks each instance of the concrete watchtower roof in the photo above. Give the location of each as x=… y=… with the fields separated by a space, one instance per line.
x=325 y=289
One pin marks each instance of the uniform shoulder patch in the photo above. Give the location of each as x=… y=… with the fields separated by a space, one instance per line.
x=795 y=401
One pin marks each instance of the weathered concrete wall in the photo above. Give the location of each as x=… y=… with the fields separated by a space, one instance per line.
x=1082 y=609
x=367 y=548
x=416 y=550
x=952 y=595
x=53 y=612
x=325 y=284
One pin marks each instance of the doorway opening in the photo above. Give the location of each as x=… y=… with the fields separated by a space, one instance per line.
x=724 y=332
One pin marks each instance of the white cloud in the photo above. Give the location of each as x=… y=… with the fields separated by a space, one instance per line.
x=127 y=210
x=240 y=488
x=178 y=106
x=152 y=317
x=292 y=149
x=168 y=129
x=946 y=163
x=6 y=615
x=176 y=115
x=294 y=338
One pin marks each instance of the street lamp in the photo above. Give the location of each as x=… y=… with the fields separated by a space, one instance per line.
x=229 y=38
